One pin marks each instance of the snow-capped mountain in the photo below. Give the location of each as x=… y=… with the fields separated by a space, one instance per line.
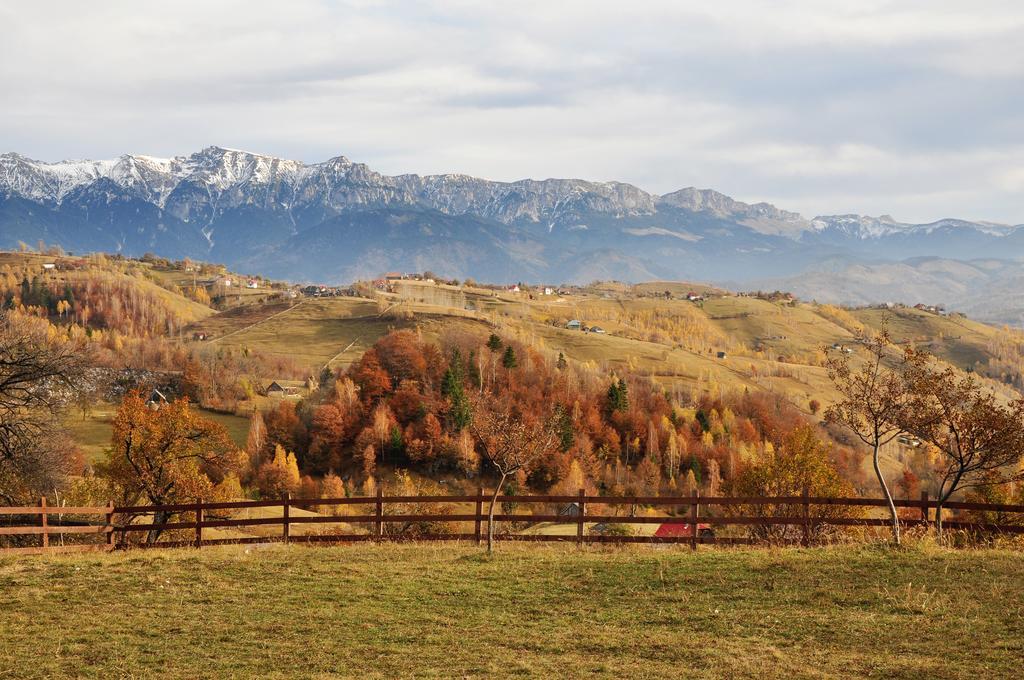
x=337 y=220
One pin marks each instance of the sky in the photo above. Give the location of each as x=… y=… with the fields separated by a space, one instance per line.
x=912 y=109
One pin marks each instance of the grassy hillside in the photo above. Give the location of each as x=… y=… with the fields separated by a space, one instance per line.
x=319 y=331
x=447 y=611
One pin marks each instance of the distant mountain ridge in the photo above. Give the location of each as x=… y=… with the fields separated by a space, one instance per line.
x=338 y=220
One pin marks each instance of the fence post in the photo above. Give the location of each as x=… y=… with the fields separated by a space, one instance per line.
x=924 y=507
x=479 y=513
x=693 y=520
x=199 y=523
x=110 y=523
x=579 y=518
x=807 y=517
x=46 y=522
x=380 y=514
x=286 y=505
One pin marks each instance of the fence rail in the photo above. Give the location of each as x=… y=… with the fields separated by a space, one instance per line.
x=698 y=526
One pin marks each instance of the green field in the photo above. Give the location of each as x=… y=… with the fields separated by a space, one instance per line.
x=531 y=611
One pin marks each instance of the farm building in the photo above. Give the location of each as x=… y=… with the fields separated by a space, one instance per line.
x=569 y=510
x=156 y=399
x=275 y=389
x=574 y=325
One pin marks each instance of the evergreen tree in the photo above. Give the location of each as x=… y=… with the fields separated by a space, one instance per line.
x=695 y=468
x=508 y=360
x=562 y=363
x=453 y=376
x=563 y=421
x=618 y=396
x=494 y=343
x=475 y=379
x=460 y=413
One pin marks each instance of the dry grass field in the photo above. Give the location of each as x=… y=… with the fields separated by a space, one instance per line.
x=421 y=610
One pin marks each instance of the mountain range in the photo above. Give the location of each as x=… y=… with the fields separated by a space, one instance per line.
x=337 y=221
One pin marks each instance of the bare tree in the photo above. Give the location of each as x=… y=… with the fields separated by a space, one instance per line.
x=974 y=434
x=874 y=403
x=39 y=375
x=512 y=443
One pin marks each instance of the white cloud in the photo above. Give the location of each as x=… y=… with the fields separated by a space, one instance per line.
x=910 y=108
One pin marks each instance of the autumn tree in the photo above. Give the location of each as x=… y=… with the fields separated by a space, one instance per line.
x=167 y=455
x=513 y=443
x=256 y=438
x=39 y=375
x=801 y=463
x=978 y=439
x=874 y=403
x=279 y=475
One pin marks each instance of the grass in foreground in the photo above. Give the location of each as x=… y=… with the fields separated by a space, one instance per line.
x=535 y=611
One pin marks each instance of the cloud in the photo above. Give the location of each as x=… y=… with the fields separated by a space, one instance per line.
x=907 y=108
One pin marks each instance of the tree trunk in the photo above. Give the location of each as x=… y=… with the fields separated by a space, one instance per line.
x=938 y=519
x=160 y=517
x=888 y=496
x=490 y=514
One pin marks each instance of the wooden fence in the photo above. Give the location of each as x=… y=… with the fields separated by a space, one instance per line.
x=701 y=517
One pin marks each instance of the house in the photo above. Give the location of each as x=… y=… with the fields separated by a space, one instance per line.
x=549 y=291
x=253 y=283
x=226 y=281
x=49 y=265
x=569 y=510
x=275 y=389
x=199 y=336
x=721 y=355
x=156 y=399
x=693 y=297
x=513 y=289
x=393 y=276
x=574 y=325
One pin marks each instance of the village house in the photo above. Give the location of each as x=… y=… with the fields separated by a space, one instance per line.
x=156 y=399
